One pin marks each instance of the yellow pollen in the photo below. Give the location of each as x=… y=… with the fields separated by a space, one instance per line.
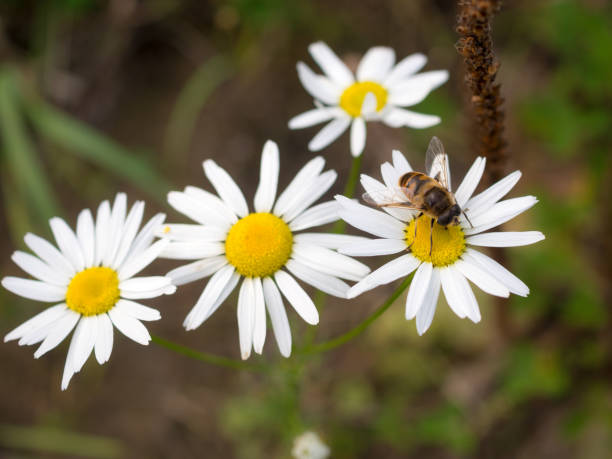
x=352 y=98
x=259 y=244
x=166 y=229
x=448 y=244
x=93 y=291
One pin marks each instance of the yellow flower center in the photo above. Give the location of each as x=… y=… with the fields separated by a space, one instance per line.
x=448 y=243
x=259 y=244
x=352 y=98
x=93 y=291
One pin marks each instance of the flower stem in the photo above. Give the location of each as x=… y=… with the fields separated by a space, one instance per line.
x=338 y=228
x=207 y=358
x=354 y=332
x=349 y=191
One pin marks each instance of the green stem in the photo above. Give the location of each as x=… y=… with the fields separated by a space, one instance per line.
x=338 y=228
x=349 y=191
x=208 y=358
x=333 y=343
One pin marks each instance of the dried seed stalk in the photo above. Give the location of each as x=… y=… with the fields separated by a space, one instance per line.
x=476 y=47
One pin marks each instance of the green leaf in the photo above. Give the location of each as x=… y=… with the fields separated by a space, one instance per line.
x=188 y=106
x=25 y=167
x=86 y=143
x=52 y=440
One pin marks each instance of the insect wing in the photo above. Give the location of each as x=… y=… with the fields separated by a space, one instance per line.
x=389 y=197
x=436 y=163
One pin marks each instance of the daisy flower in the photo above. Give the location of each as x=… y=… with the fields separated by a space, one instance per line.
x=377 y=92
x=263 y=248
x=452 y=259
x=91 y=280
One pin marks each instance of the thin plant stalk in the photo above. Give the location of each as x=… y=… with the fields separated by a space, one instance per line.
x=476 y=46
x=359 y=329
x=206 y=357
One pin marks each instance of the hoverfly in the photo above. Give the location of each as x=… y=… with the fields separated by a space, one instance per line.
x=429 y=193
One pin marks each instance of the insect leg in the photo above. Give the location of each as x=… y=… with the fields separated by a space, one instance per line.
x=467 y=218
x=415 y=230
x=431 y=236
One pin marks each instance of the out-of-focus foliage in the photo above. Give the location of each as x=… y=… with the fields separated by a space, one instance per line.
x=99 y=95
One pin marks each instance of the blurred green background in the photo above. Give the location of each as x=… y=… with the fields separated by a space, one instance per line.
x=99 y=96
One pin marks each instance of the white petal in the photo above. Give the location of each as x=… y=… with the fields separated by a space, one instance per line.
x=318 y=215
x=116 y=227
x=192 y=250
x=138 y=288
x=268 y=178
x=470 y=181
x=67 y=242
x=104 y=343
x=103 y=233
x=500 y=213
x=68 y=366
x=309 y=195
x=372 y=247
x=138 y=262
x=49 y=254
x=59 y=330
x=330 y=132
x=329 y=240
x=217 y=212
x=400 y=163
x=418 y=289
x=329 y=262
x=368 y=107
x=331 y=64
x=324 y=282
x=318 y=86
x=209 y=296
x=428 y=308
x=315 y=116
x=146 y=235
x=259 y=325
x=389 y=175
x=405 y=68
x=196 y=270
x=137 y=310
x=358 y=136
x=298 y=298
x=485 y=200
x=304 y=178
x=458 y=293
x=187 y=233
x=513 y=283
x=227 y=290
x=129 y=326
x=246 y=317
x=370 y=220
x=452 y=291
x=485 y=281
x=34 y=290
x=376 y=64
x=399 y=117
x=400 y=267
x=86 y=234
x=278 y=316
x=132 y=223
x=42 y=320
x=190 y=207
x=37 y=268
x=415 y=90
x=505 y=238
x=226 y=188
x=85 y=335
